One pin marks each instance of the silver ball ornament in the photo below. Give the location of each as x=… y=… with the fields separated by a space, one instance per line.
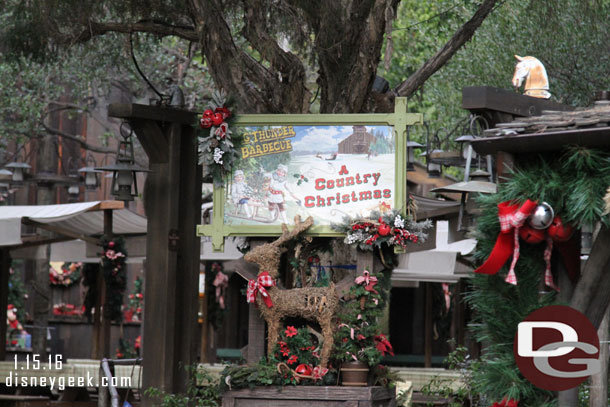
x=542 y=217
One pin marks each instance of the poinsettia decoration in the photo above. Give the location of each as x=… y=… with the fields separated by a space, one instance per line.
x=218 y=145
x=297 y=356
x=388 y=228
x=67 y=309
x=136 y=303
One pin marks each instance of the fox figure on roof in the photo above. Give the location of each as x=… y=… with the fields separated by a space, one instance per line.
x=536 y=80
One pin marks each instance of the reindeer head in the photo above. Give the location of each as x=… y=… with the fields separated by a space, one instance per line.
x=267 y=256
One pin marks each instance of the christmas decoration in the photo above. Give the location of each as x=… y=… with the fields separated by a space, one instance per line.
x=218 y=145
x=126 y=350
x=559 y=231
x=301 y=178
x=530 y=235
x=357 y=337
x=506 y=403
x=221 y=282
x=311 y=303
x=64 y=274
x=297 y=354
x=115 y=274
x=17 y=293
x=511 y=217
x=387 y=229
x=542 y=217
x=215 y=298
x=136 y=303
x=63 y=309
x=574 y=184
x=12 y=322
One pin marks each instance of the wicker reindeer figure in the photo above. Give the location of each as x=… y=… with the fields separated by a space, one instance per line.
x=312 y=303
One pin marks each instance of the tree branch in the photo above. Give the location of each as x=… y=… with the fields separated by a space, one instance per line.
x=83 y=143
x=154 y=27
x=290 y=70
x=436 y=62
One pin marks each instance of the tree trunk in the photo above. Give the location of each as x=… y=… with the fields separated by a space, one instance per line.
x=599 y=382
x=348 y=44
x=591 y=295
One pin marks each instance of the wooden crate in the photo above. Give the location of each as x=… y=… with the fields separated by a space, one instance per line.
x=310 y=396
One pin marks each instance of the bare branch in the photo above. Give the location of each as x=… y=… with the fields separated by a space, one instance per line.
x=153 y=27
x=436 y=62
x=83 y=143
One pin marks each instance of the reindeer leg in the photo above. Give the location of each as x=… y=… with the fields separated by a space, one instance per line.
x=327 y=333
x=274 y=326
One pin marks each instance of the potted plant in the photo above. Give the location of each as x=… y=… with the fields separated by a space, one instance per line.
x=359 y=344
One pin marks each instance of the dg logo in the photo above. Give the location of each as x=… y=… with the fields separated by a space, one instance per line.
x=556 y=348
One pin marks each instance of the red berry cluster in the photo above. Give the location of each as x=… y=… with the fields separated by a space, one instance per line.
x=214 y=117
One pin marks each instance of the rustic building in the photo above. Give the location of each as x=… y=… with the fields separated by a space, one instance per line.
x=358 y=142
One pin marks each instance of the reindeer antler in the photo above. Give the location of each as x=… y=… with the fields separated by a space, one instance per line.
x=299 y=227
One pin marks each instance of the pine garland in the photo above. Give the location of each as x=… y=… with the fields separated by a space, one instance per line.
x=574 y=186
x=115 y=275
x=218 y=141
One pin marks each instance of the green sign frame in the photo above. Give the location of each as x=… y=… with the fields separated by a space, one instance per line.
x=399 y=120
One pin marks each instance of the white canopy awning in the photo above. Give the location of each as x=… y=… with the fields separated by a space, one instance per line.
x=440 y=264
x=85 y=218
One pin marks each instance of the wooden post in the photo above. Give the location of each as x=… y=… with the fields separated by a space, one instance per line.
x=428 y=327
x=172 y=199
x=256 y=335
x=5 y=265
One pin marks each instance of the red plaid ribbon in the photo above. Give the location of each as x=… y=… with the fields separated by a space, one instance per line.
x=511 y=217
x=263 y=281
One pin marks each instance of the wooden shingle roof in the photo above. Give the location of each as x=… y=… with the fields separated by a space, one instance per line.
x=552 y=130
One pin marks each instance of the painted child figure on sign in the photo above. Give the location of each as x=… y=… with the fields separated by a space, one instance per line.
x=277 y=192
x=240 y=193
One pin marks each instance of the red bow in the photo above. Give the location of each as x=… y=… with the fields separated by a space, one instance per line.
x=258 y=286
x=506 y=403
x=383 y=345
x=221 y=131
x=319 y=372
x=511 y=218
x=368 y=280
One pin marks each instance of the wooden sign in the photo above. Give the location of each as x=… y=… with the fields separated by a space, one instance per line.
x=326 y=166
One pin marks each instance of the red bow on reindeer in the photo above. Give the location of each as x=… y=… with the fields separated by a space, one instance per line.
x=368 y=281
x=258 y=286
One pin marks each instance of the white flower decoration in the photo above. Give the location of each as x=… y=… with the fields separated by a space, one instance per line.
x=218 y=155
x=399 y=222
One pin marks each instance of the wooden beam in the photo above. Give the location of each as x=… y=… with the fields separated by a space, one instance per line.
x=102 y=206
x=480 y=98
x=134 y=111
x=152 y=139
x=593 y=137
x=31 y=241
x=61 y=231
